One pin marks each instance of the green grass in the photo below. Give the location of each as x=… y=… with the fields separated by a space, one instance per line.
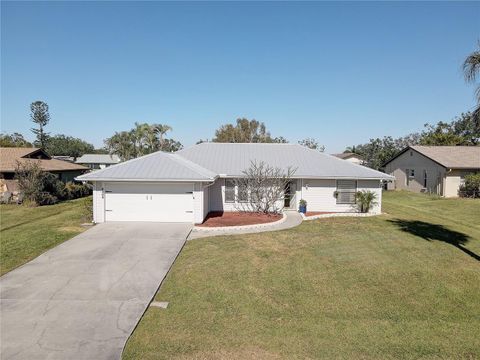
x=398 y=286
x=26 y=232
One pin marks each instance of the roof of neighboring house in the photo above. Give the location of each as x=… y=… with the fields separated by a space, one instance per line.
x=98 y=159
x=10 y=156
x=156 y=166
x=347 y=155
x=207 y=161
x=451 y=157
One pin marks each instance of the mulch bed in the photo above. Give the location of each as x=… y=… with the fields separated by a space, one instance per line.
x=312 y=213
x=216 y=219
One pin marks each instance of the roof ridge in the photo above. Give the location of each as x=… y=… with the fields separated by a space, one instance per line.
x=187 y=163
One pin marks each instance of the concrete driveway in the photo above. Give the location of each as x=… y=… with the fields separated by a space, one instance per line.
x=82 y=299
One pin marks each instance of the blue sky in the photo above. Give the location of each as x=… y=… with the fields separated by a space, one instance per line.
x=339 y=72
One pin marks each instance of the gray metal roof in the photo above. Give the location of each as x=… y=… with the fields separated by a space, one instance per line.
x=158 y=166
x=206 y=161
x=231 y=159
x=98 y=159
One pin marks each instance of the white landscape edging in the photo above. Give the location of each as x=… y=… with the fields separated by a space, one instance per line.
x=240 y=227
x=351 y=214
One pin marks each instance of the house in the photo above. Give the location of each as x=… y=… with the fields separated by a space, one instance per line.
x=9 y=157
x=185 y=186
x=433 y=169
x=352 y=157
x=98 y=161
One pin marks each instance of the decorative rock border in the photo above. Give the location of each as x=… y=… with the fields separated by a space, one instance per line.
x=351 y=214
x=240 y=227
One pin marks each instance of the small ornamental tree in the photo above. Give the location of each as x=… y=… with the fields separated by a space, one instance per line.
x=261 y=188
x=365 y=200
x=471 y=186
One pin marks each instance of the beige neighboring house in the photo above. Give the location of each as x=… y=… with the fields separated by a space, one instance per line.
x=433 y=169
x=9 y=157
x=351 y=157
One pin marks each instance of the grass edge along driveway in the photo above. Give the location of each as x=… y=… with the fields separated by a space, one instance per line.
x=27 y=232
x=392 y=286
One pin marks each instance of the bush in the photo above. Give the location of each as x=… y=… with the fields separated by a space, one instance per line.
x=365 y=199
x=45 y=198
x=44 y=188
x=471 y=187
x=74 y=191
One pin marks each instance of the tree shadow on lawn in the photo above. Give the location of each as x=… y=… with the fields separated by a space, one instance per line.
x=437 y=232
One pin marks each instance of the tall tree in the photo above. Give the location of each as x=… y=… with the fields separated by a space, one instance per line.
x=244 y=131
x=14 y=140
x=41 y=117
x=67 y=145
x=312 y=143
x=141 y=140
x=471 y=70
x=160 y=130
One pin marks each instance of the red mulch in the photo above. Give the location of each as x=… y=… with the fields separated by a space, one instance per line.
x=237 y=218
x=312 y=213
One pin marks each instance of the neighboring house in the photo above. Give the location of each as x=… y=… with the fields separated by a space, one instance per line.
x=352 y=157
x=9 y=157
x=64 y=158
x=433 y=169
x=98 y=161
x=185 y=186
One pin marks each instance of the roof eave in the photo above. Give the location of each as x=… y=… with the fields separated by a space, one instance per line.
x=81 y=178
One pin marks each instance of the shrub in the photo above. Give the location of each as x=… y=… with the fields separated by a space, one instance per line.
x=365 y=199
x=44 y=188
x=74 y=191
x=471 y=186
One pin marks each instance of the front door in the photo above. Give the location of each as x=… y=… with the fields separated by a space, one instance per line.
x=289 y=198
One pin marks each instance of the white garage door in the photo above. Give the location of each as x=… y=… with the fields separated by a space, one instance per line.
x=149 y=202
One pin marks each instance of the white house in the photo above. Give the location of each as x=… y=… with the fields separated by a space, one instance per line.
x=98 y=161
x=185 y=186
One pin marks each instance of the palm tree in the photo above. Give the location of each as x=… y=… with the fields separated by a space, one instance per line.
x=471 y=70
x=160 y=130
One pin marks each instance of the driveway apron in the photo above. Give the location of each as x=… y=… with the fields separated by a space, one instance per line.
x=83 y=298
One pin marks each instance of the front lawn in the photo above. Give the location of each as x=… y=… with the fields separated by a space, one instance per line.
x=26 y=232
x=403 y=285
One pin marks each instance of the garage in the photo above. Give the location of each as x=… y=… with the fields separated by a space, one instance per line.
x=149 y=202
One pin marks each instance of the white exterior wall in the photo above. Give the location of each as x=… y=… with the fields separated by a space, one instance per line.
x=198 y=203
x=319 y=195
x=98 y=203
x=206 y=200
x=217 y=198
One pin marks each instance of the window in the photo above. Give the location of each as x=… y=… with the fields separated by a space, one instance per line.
x=229 y=191
x=242 y=193
x=409 y=174
x=346 y=190
x=425 y=178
